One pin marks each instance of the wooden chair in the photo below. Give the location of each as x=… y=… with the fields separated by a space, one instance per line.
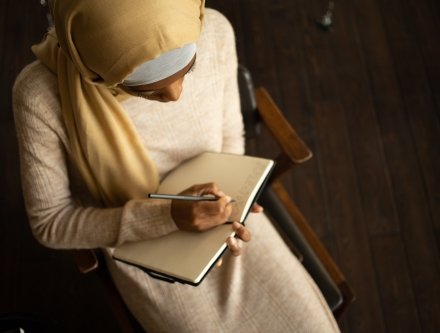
x=259 y=110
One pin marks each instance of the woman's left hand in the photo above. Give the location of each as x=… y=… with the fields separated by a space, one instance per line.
x=241 y=232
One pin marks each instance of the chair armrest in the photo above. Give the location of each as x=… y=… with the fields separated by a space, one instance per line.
x=282 y=219
x=294 y=150
x=338 y=278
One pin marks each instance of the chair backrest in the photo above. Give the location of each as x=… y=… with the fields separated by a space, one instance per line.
x=251 y=118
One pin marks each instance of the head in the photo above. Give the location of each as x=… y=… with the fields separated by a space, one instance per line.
x=109 y=41
x=164 y=90
x=161 y=79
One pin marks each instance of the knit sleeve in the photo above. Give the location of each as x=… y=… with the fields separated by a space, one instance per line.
x=56 y=217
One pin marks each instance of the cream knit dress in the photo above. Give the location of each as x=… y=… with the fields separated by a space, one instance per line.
x=264 y=290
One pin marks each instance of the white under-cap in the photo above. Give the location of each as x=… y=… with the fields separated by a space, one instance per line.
x=162 y=67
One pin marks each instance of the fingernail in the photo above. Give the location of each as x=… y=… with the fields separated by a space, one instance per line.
x=232 y=242
x=233 y=246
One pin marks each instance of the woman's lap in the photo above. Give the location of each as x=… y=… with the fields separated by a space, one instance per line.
x=264 y=289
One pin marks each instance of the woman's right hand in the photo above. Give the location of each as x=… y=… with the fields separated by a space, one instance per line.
x=201 y=215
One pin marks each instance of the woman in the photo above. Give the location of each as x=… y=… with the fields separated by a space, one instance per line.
x=123 y=92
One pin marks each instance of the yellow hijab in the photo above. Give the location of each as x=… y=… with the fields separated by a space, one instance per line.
x=94 y=46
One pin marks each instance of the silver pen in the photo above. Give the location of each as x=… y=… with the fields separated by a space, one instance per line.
x=209 y=197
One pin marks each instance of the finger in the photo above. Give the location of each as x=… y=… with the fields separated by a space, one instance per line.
x=219 y=262
x=224 y=200
x=241 y=232
x=233 y=246
x=220 y=208
x=210 y=188
x=256 y=208
x=203 y=189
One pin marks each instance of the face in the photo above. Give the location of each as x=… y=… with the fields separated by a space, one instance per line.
x=165 y=90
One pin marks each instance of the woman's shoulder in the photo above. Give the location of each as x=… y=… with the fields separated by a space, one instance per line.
x=35 y=93
x=217 y=41
x=216 y=22
x=36 y=85
x=33 y=80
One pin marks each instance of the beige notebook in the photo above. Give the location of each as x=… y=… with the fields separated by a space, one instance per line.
x=188 y=256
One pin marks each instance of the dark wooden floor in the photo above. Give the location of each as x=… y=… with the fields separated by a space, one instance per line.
x=365 y=97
